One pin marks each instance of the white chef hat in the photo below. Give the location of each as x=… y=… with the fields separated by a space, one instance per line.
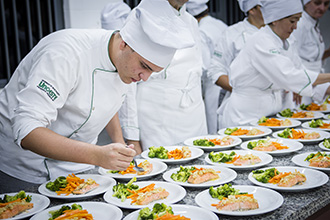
x=195 y=7
x=246 y=5
x=306 y=1
x=274 y=10
x=114 y=14
x=155 y=31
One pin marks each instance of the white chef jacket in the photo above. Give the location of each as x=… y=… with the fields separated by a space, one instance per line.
x=229 y=44
x=259 y=74
x=170 y=107
x=68 y=84
x=210 y=29
x=311 y=49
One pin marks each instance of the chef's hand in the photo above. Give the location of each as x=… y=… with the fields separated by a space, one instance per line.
x=297 y=98
x=116 y=156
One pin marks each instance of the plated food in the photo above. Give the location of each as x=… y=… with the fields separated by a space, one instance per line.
x=239 y=200
x=302 y=135
x=272 y=146
x=194 y=153
x=152 y=168
x=317 y=124
x=325 y=144
x=239 y=159
x=245 y=132
x=136 y=195
x=185 y=212
x=275 y=123
x=200 y=175
x=288 y=178
x=76 y=186
x=98 y=210
x=213 y=142
x=314 y=160
x=299 y=115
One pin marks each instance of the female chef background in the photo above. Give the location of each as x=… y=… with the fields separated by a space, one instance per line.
x=70 y=86
x=267 y=65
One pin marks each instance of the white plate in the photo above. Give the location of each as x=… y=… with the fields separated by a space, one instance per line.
x=293 y=146
x=176 y=193
x=326 y=117
x=226 y=175
x=99 y=210
x=195 y=153
x=104 y=182
x=306 y=125
x=40 y=202
x=158 y=167
x=323 y=134
x=268 y=201
x=314 y=178
x=294 y=123
x=300 y=161
x=265 y=159
x=266 y=131
x=190 y=141
x=188 y=211
x=321 y=145
x=317 y=115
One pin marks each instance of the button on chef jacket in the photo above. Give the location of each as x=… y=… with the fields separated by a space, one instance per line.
x=68 y=84
x=311 y=48
x=170 y=107
x=259 y=74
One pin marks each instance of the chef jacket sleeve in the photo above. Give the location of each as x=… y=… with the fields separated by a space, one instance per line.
x=49 y=82
x=320 y=92
x=128 y=115
x=280 y=69
x=221 y=59
x=207 y=50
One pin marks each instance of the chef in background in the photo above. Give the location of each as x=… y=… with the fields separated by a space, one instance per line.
x=114 y=14
x=311 y=46
x=210 y=29
x=266 y=66
x=70 y=87
x=170 y=106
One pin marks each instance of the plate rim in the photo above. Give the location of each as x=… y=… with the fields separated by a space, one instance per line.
x=266 y=130
x=294 y=160
x=325 y=133
x=255 y=123
x=238 y=141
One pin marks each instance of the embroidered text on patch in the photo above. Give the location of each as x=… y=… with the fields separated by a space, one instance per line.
x=49 y=89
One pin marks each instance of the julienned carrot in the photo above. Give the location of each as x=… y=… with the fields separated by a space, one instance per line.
x=135 y=193
x=271 y=122
x=299 y=115
x=279 y=146
x=77 y=213
x=169 y=216
x=325 y=125
x=7 y=203
x=176 y=154
x=234 y=159
x=215 y=141
x=73 y=183
x=129 y=170
x=240 y=131
x=313 y=107
x=276 y=179
x=297 y=134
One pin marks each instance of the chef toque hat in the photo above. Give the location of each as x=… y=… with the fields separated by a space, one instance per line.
x=195 y=7
x=306 y=1
x=246 y=5
x=155 y=31
x=274 y=10
x=114 y=14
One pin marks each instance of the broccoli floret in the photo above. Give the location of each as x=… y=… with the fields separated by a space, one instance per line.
x=183 y=174
x=263 y=119
x=146 y=214
x=60 y=182
x=223 y=191
x=228 y=131
x=120 y=190
x=264 y=175
x=158 y=152
x=286 y=113
x=316 y=124
x=252 y=144
x=326 y=143
x=20 y=195
x=161 y=209
x=287 y=133
x=303 y=106
x=203 y=142
x=221 y=157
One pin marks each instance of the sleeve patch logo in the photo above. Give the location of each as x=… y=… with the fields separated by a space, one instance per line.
x=48 y=89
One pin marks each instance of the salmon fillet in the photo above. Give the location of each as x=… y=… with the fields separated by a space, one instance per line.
x=148 y=197
x=147 y=166
x=241 y=203
x=320 y=162
x=292 y=179
x=265 y=148
x=248 y=159
x=14 y=209
x=86 y=187
x=201 y=176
